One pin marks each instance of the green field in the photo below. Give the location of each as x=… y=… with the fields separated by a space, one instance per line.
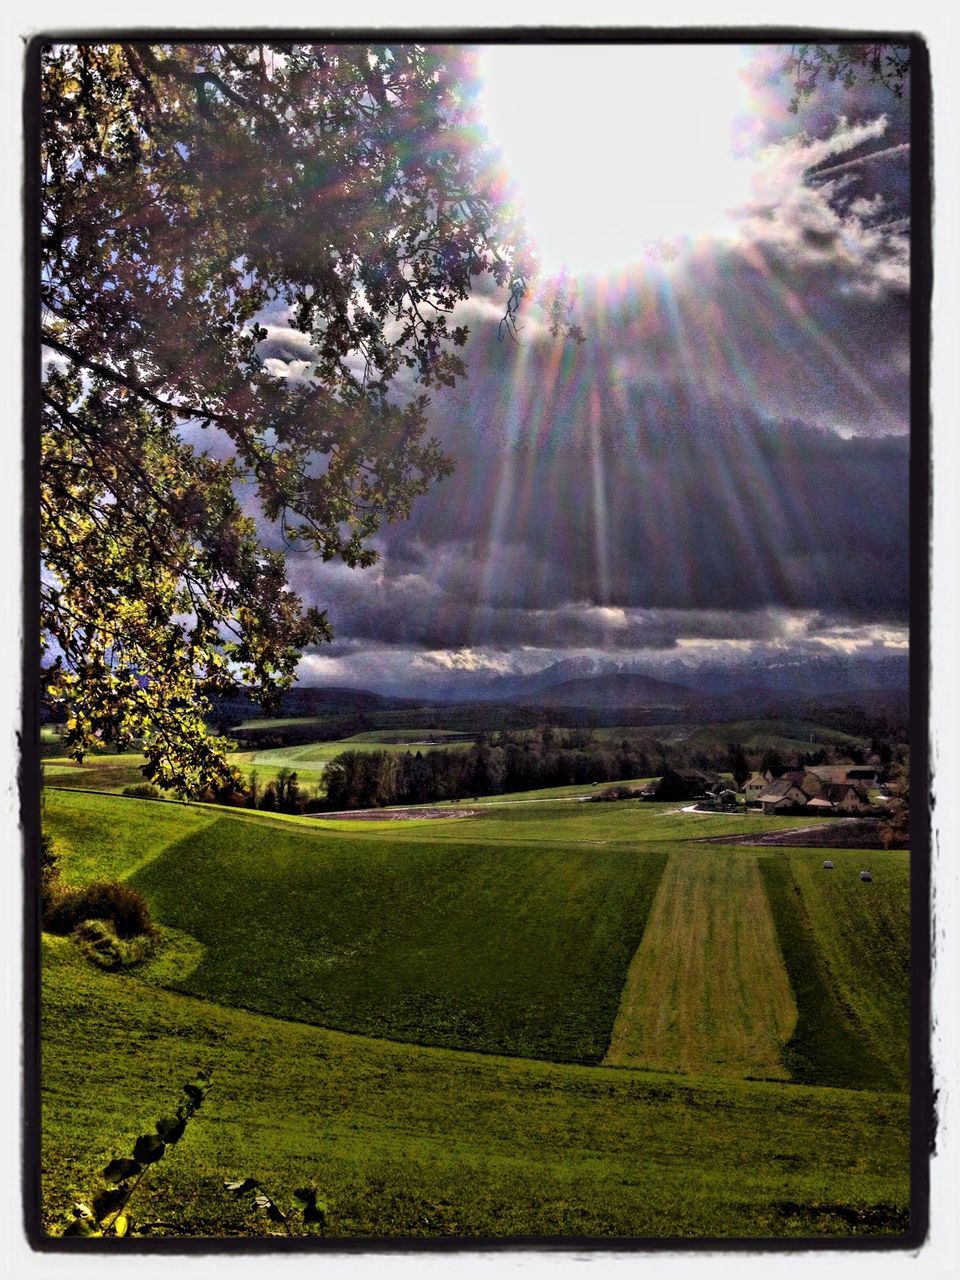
x=762 y=735
x=309 y=761
x=750 y=1010
x=784 y=735
x=707 y=990
x=97 y=772
x=113 y=772
x=406 y=1141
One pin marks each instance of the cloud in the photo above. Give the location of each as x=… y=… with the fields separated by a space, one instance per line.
x=720 y=469
x=808 y=212
x=714 y=526
x=603 y=503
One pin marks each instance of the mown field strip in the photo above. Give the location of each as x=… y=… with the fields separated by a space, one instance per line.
x=707 y=990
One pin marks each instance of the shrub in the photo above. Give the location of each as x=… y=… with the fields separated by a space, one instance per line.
x=618 y=793
x=122 y=905
x=99 y=943
x=143 y=791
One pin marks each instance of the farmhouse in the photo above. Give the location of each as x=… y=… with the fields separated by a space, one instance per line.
x=820 y=805
x=777 y=775
x=845 y=798
x=754 y=786
x=862 y=774
x=782 y=794
x=806 y=779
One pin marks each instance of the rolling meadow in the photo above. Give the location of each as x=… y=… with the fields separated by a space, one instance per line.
x=544 y=1018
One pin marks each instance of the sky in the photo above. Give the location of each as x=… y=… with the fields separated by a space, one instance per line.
x=719 y=473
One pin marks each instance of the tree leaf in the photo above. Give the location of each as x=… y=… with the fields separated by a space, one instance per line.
x=108 y=1201
x=121 y=1225
x=81 y=1227
x=313 y=1209
x=171 y=1129
x=120 y=1170
x=148 y=1148
x=315 y=1213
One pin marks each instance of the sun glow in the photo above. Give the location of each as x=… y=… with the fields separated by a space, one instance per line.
x=618 y=152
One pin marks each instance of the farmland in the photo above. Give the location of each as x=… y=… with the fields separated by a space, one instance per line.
x=551 y=1017
x=112 y=771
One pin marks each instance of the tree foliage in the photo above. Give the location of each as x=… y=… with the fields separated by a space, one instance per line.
x=509 y=761
x=188 y=191
x=853 y=64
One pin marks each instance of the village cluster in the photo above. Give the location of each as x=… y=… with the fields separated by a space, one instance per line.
x=815 y=789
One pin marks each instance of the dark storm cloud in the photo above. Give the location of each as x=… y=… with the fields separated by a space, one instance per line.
x=710 y=513
x=713 y=527
x=724 y=459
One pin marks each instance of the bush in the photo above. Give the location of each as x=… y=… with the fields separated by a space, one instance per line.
x=99 y=943
x=143 y=791
x=123 y=906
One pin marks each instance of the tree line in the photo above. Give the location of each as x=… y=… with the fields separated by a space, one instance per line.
x=513 y=760
x=502 y=763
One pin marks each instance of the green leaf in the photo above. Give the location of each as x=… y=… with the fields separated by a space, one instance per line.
x=314 y=1210
x=171 y=1129
x=121 y=1225
x=108 y=1201
x=315 y=1213
x=120 y=1170
x=81 y=1227
x=148 y=1148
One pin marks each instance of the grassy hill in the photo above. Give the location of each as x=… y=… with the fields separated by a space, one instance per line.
x=310 y=759
x=414 y=1142
x=111 y=772
x=546 y=929
x=762 y=735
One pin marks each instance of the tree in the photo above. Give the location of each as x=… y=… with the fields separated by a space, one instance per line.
x=185 y=190
x=895 y=829
x=738 y=764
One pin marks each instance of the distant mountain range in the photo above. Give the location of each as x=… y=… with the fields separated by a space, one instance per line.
x=597 y=683
x=676 y=681
x=592 y=692
x=618 y=689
